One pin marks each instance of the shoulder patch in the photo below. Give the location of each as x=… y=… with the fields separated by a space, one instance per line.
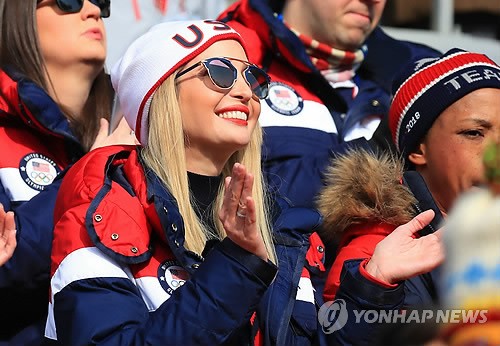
x=284 y=99
x=38 y=171
x=172 y=276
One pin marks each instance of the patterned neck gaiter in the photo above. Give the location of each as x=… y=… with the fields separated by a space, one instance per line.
x=335 y=64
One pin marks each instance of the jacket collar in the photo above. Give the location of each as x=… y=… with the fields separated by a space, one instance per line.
x=172 y=228
x=259 y=15
x=21 y=98
x=425 y=201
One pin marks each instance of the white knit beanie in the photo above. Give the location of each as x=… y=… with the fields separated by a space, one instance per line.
x=154 y=56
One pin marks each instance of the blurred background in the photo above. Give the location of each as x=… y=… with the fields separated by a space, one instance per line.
x=469 y=24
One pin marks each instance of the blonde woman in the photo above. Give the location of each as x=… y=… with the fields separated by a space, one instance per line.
x=171 y=240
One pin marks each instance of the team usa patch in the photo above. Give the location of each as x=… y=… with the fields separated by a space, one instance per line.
x=284 y=99
x=38 y=171
x=171 y=276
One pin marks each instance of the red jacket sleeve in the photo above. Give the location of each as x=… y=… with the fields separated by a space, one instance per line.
x=358 y=242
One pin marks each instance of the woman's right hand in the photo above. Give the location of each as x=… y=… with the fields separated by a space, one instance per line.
x=238 y=214
x=8 y=241
x=401 y=256
x=123 y=134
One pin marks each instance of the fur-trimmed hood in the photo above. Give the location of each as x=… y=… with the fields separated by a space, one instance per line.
x=363 y=187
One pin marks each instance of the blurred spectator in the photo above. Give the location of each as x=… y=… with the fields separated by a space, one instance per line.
x=470 y=276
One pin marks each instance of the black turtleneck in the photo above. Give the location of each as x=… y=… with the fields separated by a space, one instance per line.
x=204 y=189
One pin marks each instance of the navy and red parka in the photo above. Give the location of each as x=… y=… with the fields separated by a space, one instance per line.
x=359 y=292
x=121 y=274
x=363 y=210
x=36 y=145
x=306 y=121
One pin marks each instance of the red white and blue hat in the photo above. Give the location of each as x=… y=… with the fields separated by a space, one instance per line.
x=424 y=89
x=154 y=56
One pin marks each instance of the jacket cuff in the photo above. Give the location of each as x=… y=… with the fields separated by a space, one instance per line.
x=264 y=271
x=354 y=285
x=368 y=276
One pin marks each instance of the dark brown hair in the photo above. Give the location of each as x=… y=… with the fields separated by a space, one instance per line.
x=19 y=48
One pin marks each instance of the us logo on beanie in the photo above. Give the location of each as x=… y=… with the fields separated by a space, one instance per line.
x=424 y=89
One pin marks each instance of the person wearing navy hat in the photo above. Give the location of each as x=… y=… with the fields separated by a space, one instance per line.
x=444 y=113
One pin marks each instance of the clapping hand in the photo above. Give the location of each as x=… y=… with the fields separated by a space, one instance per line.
x=238 y=213
x=7 y=235
x=400 y=255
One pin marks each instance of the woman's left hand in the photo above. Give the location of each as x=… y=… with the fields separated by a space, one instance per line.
x=238 y=214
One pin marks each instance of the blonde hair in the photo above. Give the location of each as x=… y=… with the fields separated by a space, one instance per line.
x=165 y=156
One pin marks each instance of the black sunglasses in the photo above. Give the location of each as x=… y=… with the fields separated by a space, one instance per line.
x=74 y=6
x=223 y=74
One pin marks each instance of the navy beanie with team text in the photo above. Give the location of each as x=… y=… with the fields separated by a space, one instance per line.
x=425 y=88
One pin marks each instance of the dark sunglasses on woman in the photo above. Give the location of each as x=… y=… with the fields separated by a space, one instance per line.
x=223 y=74
x=74 y=6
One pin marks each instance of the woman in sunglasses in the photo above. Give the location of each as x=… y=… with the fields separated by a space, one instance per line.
x=171 y=241
x=54 y=93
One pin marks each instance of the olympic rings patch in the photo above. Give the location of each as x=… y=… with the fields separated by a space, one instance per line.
x=284 y=99
x=172 y=276
x=38 y=171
